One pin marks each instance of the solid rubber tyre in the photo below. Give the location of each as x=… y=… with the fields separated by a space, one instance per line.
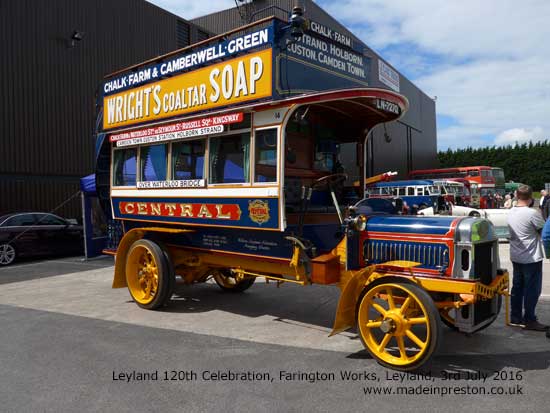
x=228 y=283
x=397 y=324
x=149 y=274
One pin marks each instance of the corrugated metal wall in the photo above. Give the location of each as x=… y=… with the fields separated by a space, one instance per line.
x=48 y=88
x=413 y=143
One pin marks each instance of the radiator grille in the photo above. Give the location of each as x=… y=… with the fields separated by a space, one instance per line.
x=434 y=256
x=483 y=262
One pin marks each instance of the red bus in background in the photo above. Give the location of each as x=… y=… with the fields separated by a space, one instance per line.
x=485 y=181
x=457 y=191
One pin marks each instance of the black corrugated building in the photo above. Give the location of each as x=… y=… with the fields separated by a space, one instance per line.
x=49 y=80
x=407 y=144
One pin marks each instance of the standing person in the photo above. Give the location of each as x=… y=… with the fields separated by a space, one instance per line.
x=544 y=204
x=542 y=195
x=507 y=201
x=546 y=244
x=498 y=200
x=525 y=225
x=490 y=201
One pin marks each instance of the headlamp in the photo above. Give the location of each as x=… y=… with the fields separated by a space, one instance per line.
x=359 y=223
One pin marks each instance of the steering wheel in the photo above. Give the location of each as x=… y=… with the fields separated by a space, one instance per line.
x=329 y=180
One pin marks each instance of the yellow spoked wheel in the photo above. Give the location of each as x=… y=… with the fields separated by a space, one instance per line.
x=228 y=282
x=399 y=325
x=149 y=274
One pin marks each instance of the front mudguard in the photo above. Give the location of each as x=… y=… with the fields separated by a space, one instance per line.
x=351 y=291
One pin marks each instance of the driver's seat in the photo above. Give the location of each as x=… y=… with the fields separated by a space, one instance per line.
x=293 y=194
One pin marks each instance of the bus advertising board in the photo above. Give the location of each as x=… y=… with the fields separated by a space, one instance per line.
x=265 y=63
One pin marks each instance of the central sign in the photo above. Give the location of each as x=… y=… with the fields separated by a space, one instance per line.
x=174 y=209
x=237 y=80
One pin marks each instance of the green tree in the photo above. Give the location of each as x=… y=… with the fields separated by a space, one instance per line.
x=526 y=163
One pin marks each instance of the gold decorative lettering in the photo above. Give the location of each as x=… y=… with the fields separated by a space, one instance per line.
x=171 y=208
x=142 y=208
x=155 y=209
x=221 y=215
x=204 y=212
x=186 y=210
x=129 y=208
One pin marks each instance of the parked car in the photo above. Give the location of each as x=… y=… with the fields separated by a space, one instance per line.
x=498 y=217
x=376 y=206
x=38 y=233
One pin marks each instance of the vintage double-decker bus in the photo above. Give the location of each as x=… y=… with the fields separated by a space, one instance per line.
x=416 y=193
x=456 y=191
x=485 y=181
x=223 y=160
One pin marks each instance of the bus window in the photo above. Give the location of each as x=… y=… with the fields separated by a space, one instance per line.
x=325 y=155
x=401 y=191
x=420 y=191
x=124 y=167
x=410 y=190
x=265 y=169
x=188 y=159
x=498 y=173
x=473 y=172
x=229 y=159
x=153 y=162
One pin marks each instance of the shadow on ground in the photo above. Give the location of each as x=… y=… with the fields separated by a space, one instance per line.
x=313 y=305
x=493 y=349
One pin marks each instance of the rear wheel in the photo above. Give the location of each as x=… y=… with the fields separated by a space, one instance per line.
x=399 y=325
x=149 y=274
x=228 y=282
x=7 y=254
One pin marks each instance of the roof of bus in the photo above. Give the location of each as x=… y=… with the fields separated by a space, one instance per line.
x=448 y=181
x=409 y=182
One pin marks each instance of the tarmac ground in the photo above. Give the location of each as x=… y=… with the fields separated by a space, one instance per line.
x=71 y=342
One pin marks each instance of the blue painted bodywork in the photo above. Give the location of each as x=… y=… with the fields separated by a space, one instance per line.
x=325 y=237
x=410 y=224
x=378 y=247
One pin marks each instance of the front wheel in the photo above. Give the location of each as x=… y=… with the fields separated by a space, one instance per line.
x=399 y=325
x=228 y=282
x=7 y=254
x=149 y=274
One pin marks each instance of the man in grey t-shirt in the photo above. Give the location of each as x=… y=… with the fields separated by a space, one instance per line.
x=525 y=225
